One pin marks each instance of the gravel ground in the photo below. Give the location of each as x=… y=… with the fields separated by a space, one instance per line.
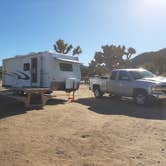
x=88 y=132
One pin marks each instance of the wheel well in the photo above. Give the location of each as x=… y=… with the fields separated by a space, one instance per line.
x=96 y=86
x=136 y=90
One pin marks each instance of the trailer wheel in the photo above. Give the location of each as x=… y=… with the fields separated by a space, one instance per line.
x=98 y=93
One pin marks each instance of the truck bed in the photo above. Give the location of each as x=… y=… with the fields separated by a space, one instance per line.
x=101 y=81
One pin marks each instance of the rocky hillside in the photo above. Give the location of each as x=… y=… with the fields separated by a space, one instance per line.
x=148 y=57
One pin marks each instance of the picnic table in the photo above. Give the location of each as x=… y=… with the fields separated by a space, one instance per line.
x=26 y=95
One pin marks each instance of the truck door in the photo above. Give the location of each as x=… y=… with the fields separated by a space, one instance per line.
x=112 y=88
x=124 y=84
x=34 y=72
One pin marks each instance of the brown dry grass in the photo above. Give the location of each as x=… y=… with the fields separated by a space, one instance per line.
x=89 y=132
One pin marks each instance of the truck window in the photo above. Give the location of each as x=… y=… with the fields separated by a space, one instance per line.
x=113 y=75
x=123 y=75
x=66 y=67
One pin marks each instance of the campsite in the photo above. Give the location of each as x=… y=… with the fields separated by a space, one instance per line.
x=88 y=132
x=83 y=83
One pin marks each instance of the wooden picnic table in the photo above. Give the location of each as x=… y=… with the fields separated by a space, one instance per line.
x=26 y=98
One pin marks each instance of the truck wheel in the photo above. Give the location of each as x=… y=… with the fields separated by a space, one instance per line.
x=140 y=97
x=98 y=93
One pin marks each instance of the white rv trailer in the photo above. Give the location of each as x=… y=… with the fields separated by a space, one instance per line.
x=42 y=70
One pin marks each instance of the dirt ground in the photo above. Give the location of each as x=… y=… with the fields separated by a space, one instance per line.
x=89 y=132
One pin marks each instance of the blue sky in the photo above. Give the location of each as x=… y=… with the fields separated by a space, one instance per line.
x=34 y=25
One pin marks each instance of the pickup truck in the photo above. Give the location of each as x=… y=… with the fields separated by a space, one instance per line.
x=140 y=84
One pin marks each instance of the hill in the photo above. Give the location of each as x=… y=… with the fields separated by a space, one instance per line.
x=148 y=57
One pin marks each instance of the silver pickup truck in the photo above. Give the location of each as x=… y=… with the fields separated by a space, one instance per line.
x=140 y=84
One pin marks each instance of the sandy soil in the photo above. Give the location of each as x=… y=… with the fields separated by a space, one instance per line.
x=89 y=132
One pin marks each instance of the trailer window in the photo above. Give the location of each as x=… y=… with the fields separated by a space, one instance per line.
x=26 y=66
x=66 y=67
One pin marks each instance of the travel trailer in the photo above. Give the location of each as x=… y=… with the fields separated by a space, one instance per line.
x=42 y=70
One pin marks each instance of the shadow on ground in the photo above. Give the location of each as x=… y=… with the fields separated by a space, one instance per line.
x=112 y=106
x=9 y=107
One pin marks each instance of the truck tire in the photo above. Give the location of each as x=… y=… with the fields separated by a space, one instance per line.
x=97 y=92
x=140 y=97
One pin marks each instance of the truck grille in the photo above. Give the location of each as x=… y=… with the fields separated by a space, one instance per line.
x=161 y=88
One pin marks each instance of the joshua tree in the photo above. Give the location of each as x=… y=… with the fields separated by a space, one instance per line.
x=130 y=52
x=61 y=47
x=112 y=57
x=77 y=50
x=64 y=48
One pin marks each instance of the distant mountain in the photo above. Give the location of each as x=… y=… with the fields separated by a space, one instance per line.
x=148 y=57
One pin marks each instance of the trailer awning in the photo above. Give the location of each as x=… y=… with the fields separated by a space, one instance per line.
x=67 y=60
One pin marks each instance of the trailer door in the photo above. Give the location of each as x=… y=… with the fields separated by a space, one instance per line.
x=34 y=72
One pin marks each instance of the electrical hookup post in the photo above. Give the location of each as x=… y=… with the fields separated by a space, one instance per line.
x=71 y=85
x=72 y=98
